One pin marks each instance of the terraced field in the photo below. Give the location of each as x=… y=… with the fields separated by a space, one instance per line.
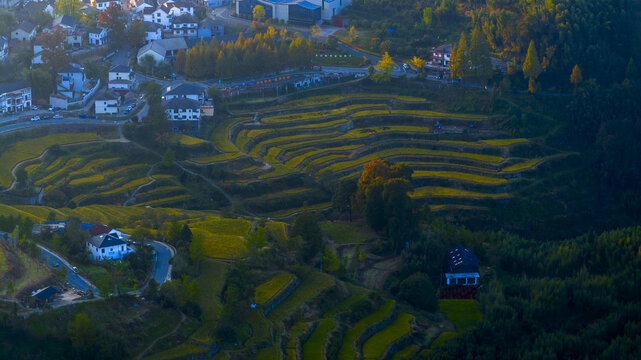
x=264 y=292
x=347 y=350
x=459 y=159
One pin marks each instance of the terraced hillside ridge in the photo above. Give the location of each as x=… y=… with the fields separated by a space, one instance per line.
x=347 y=350
x=460 y=161
x=310 y=287
x=266 y=291
x=379 y=344
x=32 y=148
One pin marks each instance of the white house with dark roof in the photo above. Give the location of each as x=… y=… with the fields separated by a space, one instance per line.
x=153 y=31
x=107 y=103
x=183 y=114
x=163 y=49
x=441 y=55
x=24 y=31
x=184 y=91
x=98 y=36
x=462 y=267
x=120 y=78
x=184 y=25
x=107 y=247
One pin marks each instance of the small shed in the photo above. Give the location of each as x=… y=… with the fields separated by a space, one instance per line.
x=462 y=267
x=44 y=295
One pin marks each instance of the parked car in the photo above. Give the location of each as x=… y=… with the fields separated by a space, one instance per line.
x=51 y=108
x=35 y=118
x=83 y=116
x=74 y=269
x=34 y=107
x=57 y=116
x=92 y=116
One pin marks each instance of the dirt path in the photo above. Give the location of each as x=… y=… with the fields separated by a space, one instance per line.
x=183 y=317
x=151 y=181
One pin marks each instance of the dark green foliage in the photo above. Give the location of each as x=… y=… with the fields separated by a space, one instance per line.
x=418 y=291
x=306 y=226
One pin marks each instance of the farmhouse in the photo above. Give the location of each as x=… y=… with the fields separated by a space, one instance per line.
x=184 y=91
x=161 y=50
x=153 y=31
x=183 y=114
x=104 y=229
x=211 y=28
x=462 y=267
x=185 y=25
x=107 y=247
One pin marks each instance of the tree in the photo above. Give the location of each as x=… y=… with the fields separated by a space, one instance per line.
x=42 y=18
x=214 y=93
x=344 y=194
x=385 y=67
x=7 y=22
x=168 y=158
x=22 y=176
x=315 y=31
x=151 y=290
x=306 y=226
x=54 y=54
x=459 y=59
x=68 y=7
x=352 y=35
x=331 y=42
x=576 y=78
x=148 y=63
x=136 y=34
x=258 y=13
x=417 y=62
x=40 y=81
x=331 y=262
x=418 y=291
x=427 y=16
x=179 y=62
x=531 y=66
x=82 y=333
x=480 y=61
x=156 y=117
x=114 y=19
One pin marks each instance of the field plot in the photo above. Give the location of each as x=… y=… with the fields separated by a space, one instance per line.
x=32 y=148
x=267 y=290
x=313 y=349
x=375 y=346
x=455 y=156
x=347 y=350
x=310 y=287
x=464 y=313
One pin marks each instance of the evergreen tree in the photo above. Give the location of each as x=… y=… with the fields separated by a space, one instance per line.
x=576 y=78
x=531 y=66
x=459 y=59
x=480 y=61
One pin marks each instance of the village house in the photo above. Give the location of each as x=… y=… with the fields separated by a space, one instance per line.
x=211 y=28
x=185 y=25
x=43 y=296
x=107 y=103
x=162 y=50
x=120 y=78
x=67 y=24
x=184 y=91
x=183 y=114
x=140 y=5
x=441 y=55
x=98 y=36
x=107 y=247
x=102 y=5
x=24 y=31
x=15 y=97
x=462 y=267
x=153 y=31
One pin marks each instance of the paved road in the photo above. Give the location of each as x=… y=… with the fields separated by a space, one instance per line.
x=66 y=121
x=50 y=258
x=162 y=270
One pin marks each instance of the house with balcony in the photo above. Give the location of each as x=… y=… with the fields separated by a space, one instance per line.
x=184 y=91
x=441 y=55
x=183 y=114
x=185 y=25
x=15 y=97
x=462 y=268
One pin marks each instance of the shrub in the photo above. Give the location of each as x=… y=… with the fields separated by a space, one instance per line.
x=418 y=290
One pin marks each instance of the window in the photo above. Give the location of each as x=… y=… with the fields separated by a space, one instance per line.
x=103 y=251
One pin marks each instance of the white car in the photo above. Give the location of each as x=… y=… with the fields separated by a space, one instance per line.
x=35 y=118
x=50 y=108
x=57 y=116
x=34 y=108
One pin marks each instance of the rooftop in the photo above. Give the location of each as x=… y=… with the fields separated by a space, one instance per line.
x=181 y=103
x=13 y=86
x=462 y=260
x=104 y=241
x=120 y=68
x=184 y=89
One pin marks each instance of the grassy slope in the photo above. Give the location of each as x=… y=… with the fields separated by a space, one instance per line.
x=267 y=290
x=463 y=313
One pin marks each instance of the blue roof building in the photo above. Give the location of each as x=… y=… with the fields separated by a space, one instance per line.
x=462 y=267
